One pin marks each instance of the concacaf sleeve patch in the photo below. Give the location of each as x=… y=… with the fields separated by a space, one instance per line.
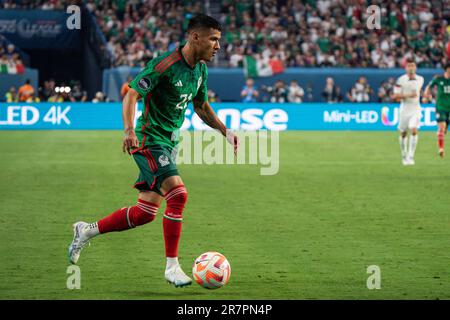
x=144 y=83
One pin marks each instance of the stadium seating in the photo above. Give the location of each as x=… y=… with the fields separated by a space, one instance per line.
x=300 y=33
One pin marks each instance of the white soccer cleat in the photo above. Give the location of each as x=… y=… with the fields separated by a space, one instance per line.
x=78 y=242
x=408 y=161
x=177 y=277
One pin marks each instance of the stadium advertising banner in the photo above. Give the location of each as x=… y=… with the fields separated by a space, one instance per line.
x=38 y=29
x=237 y=116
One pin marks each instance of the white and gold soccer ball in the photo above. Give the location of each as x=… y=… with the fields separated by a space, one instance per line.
x=211 y=270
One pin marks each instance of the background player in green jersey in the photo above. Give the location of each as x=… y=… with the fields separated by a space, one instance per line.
x=442 y=82
x=166 y=86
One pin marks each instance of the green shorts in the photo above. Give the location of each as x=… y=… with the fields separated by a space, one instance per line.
x=155 y=164
x=442 y=116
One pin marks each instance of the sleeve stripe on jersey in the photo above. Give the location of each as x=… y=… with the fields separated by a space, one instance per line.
x=164 y=61
x=167 y=62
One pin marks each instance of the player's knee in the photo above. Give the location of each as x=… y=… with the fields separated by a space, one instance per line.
x=144 y=212
x=176 y=198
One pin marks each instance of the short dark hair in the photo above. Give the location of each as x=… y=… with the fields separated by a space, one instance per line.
x=410 y=60
x=203 y=21
x=447 y=65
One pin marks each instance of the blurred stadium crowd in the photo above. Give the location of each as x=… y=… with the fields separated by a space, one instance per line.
x=279 y=92
x=10 y=59
x=301 y=33
x=51 y=92
x=37 y=4
x=298 y=33
x=292 y=92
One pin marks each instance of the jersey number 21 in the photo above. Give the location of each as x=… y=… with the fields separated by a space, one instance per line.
x=185 y=98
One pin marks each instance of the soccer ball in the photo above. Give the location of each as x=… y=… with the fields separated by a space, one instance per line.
x=211 y=270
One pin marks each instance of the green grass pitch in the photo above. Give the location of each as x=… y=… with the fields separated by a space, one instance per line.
x=341 y=202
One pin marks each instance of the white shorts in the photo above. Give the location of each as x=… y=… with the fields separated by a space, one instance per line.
x=409 y=121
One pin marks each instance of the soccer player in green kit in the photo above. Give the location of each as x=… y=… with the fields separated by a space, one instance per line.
x=166 y=86
x=442 y=104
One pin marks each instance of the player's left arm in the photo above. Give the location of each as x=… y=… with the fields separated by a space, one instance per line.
x=207 y=114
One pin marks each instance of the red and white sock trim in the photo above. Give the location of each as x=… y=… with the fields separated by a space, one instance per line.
x=128 y=219
x=148 y=208
x=175 y=207
x=172 y=216
x=174 y=192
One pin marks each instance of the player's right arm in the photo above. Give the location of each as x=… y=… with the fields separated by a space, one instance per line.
x=130 y=140
x=140 y=87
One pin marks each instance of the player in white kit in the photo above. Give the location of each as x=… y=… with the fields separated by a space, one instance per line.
x=407 y=89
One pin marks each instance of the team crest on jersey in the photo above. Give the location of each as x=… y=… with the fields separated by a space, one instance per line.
x=144 y=83
x=199 y=82
x=163 y=160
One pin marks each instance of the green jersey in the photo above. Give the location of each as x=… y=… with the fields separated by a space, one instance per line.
x=443 y=92
x=166 y=86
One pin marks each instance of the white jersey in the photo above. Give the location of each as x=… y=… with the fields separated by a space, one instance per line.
x=406 y=85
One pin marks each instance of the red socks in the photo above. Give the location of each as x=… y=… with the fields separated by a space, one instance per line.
x=130 y=217
x=440 y=140
x=144 y=212
x=176 y=200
